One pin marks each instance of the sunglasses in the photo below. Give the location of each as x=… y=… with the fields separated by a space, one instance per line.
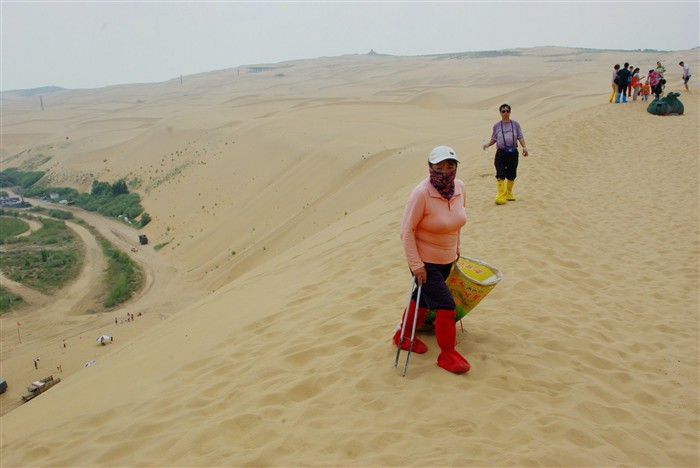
x=505 y=111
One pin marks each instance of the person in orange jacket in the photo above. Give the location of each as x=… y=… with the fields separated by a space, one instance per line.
x=430 y=234
x=646 y=90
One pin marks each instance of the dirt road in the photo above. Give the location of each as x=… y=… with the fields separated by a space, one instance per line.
x=61 y=328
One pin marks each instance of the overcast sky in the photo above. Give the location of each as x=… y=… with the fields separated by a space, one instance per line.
x=91 y=44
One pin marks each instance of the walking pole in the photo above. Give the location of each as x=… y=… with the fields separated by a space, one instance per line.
x=403 y=322
x=413 y=332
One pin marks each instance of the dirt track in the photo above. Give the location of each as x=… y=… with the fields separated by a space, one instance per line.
x=73 y=316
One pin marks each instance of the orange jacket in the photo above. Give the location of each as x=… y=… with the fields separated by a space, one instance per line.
x=431 y=225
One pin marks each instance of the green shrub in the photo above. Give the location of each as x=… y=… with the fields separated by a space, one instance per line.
x=12 y=177
x=60 y=214
x=123 y=277
x=8 y=300
x=145 y=219
x=11 y=226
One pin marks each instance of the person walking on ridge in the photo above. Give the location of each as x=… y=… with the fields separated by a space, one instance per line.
x=506 y=135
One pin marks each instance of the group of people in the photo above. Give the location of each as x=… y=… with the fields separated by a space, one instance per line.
x=129 y=318
x=627 y=81
x=430 y=233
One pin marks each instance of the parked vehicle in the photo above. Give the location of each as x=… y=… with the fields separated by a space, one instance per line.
x=3 y=386
x=143 y=239
x=39 y=387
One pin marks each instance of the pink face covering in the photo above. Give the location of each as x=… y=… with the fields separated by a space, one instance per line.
x=444 y=182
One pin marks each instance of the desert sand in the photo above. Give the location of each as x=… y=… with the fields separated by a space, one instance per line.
x=276 y=196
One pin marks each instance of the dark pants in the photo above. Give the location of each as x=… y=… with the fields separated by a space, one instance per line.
x=435 y=293
x=506 y=165
x=657 y=89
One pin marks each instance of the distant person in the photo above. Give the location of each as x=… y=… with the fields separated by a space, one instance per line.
x=646 y=90
x=629 y=82
x=657 y=84
x=636 y=83
x=660 y=70
x=623 y=79
x=686 y=74
x=653 y=82
x=506 y=134
x=430 y=233
x=614 y=80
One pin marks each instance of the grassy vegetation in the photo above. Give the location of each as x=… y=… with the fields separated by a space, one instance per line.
x=59 y=214
x=157 y=247
x=8 y=300
x=11 y=226
x=45 y=260
x=122 y=275
x=12 y=177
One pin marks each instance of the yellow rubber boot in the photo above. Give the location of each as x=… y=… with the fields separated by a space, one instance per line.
x=509 y=190
x=501 y=197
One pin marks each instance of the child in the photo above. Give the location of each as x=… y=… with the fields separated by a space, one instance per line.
x=646 y=90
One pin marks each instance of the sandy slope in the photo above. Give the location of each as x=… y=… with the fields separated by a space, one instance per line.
x=282 y=196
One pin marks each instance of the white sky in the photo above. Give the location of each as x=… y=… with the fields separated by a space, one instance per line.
x=91 y=44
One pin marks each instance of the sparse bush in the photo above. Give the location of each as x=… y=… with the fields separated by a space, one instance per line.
x=145 y=219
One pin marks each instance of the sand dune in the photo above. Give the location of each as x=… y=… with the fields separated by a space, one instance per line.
x=266 y=337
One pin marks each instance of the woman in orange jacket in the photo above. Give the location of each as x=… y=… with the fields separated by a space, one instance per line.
x=430 y=233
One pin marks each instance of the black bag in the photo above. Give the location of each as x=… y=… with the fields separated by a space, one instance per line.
x=509 y=149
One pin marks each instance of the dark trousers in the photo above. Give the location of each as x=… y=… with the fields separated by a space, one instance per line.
x=506 y=165
x=435 y=294
x=657 y=89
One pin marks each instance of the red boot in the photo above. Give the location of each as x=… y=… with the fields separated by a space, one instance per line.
x=445 y=333
x=418 y=346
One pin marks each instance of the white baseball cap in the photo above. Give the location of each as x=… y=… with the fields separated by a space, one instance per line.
x=442 y=153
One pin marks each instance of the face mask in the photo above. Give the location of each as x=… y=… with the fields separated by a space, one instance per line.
x=444 y=182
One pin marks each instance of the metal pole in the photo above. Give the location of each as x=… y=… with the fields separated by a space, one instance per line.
x=413 y=332
x=403 y=322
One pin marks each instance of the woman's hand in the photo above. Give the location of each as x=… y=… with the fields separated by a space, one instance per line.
x=421 y=276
